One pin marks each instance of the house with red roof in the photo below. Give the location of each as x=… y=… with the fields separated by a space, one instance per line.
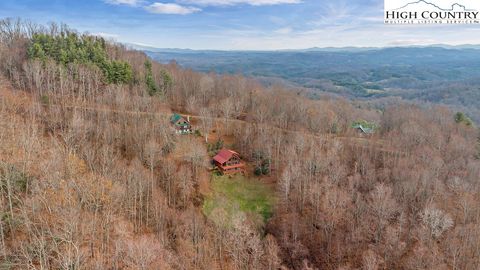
x=229 y=162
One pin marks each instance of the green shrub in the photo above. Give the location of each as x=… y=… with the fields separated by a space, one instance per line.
x=215 y=147
x=263 y=163
x=266 y=169
x=258 y=171
x=167 y=80
x=9 y=174
x=152 y=88
x=219 y=144
x=477 y=156
x=45 y=100
x=365 y=124
x=461 y=118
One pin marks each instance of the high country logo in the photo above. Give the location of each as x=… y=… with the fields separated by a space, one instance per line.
x=432 y=12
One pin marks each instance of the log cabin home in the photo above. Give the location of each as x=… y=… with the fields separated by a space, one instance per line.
x=229 y=162
x=181 y=125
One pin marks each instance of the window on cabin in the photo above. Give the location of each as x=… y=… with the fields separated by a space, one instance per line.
x=233 y=161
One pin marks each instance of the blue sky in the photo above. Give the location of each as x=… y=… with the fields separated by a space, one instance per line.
x=238 y=24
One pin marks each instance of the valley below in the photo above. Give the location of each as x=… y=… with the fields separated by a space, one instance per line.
x=433 y=75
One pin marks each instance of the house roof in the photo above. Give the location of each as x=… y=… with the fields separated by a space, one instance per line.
x=175 y=117
x=224 y=155
x=364 y=129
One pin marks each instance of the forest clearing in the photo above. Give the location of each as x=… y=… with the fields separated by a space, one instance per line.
x=231 y=196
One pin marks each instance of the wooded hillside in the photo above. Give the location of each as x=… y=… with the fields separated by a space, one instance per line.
x=92 y=176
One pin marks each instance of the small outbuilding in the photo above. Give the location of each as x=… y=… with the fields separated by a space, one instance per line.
x=229 y=162
x=181 y=125
x=364 y=130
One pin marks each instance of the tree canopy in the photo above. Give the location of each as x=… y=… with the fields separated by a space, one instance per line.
x=462 y=118
x=70 y=48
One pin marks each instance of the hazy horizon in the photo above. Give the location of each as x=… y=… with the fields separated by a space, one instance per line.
x=459 y=46
x=239 y=24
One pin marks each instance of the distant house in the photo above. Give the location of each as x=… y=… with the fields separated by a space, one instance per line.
x=364 y=130
x=229 y=162
x=181 y=125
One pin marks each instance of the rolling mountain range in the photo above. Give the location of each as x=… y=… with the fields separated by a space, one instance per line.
x=438 y=74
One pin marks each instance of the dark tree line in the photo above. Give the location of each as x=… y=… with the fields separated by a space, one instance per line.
x=70 y=48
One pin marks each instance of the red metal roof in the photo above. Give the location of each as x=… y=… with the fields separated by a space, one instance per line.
x=224 y=155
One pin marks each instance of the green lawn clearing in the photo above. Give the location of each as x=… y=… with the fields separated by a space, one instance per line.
x=231 y=195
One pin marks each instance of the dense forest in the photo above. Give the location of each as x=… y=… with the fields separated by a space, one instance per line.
x=67 y=48
x=92 y=176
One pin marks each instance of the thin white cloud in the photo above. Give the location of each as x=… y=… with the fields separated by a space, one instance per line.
x=142 y=44
x=192 y=6
x=237 y=2
x=408 y=42
x=124 y=2
x=284 y=31
x=171 y=8
x=106 y=35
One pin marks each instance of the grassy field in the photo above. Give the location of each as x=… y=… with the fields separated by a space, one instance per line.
x=231 y=195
